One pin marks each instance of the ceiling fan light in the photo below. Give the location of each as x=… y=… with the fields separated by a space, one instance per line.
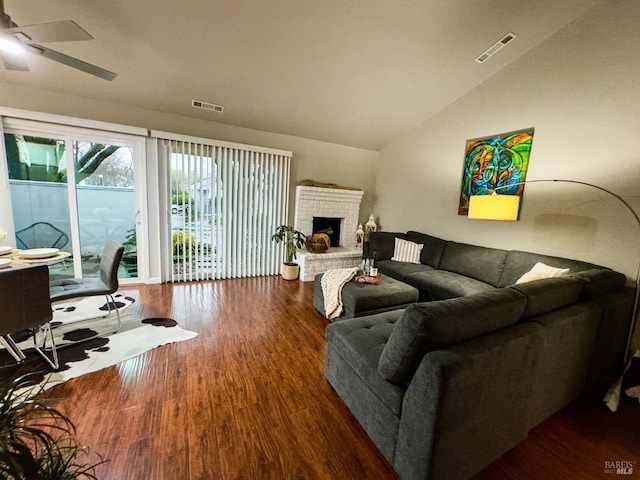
x=9 y=45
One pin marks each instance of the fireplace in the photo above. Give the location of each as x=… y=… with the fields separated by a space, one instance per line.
x=338 y=209
x=330 y=226
x=339 y=205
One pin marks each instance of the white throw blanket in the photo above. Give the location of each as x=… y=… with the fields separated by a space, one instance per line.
x=332 y=282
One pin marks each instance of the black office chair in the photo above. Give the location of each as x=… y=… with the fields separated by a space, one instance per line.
x=41 y=235
x=25 y=305
x=106 y=284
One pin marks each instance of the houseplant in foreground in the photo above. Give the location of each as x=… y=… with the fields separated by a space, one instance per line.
x=37 y=441
x=293 y=240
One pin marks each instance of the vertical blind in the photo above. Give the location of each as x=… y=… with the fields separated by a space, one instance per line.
x=226 y=202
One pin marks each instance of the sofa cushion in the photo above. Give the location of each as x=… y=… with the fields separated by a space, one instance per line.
x=599 y=282
x=359 y=343
x=400 y=270
x=481 y=263
x=440 y=285
x=433 y=247
x=518 y=263
x=549 y=294
x=425 y=327
x=382 y=244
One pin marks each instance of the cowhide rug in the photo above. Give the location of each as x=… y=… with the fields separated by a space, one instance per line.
x=87 y=344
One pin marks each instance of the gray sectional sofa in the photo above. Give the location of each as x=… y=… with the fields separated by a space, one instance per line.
x=449 y=384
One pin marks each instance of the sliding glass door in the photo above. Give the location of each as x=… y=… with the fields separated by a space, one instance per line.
x=39 y=195
x=226 y=200
x=85 y=186
x=105 y=191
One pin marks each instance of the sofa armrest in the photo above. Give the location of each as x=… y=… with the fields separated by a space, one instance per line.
x=611 y=342
x=599 y=282
x=468 y=404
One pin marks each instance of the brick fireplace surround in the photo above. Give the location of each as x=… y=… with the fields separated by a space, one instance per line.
x=332 y=203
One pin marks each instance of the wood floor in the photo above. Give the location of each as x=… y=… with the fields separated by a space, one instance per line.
x=247 y=399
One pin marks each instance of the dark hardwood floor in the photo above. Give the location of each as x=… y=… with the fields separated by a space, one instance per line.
x=247 y=399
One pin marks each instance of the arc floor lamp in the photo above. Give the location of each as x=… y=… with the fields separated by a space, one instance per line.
x=506 y=207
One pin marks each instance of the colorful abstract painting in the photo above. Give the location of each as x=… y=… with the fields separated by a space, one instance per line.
x=495 y=161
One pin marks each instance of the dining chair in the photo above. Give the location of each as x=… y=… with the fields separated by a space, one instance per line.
x=25 y=305
x=41 y=235
x=105 y=284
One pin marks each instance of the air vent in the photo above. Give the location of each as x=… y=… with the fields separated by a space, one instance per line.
x=493 y=49
x=207 y=106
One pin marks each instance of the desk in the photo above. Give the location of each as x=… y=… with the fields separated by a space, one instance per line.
x=18 y=261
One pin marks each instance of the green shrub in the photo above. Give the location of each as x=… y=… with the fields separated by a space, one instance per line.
x=184 y=242
x=181 y=198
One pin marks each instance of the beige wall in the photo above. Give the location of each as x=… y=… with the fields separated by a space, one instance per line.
x=580 y=91
x=312 y=159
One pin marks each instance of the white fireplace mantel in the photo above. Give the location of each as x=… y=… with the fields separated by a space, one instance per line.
x=332 y=203
x=328 y=202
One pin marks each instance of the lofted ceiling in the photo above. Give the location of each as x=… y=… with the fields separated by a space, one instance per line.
x=352 y=72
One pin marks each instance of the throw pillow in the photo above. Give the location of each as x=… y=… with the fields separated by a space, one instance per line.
x=541 y=270
x=530 y=277
x=406 y=251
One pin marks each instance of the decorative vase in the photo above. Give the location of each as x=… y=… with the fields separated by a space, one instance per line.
x=290 y=271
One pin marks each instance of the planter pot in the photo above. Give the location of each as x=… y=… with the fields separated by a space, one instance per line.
x=290 y=271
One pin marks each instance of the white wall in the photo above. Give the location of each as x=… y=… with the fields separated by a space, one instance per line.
x=312 y=159
x=579 y=90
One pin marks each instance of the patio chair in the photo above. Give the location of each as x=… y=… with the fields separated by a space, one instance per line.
x=106 y=284
x=25 y=305
x=41 y=235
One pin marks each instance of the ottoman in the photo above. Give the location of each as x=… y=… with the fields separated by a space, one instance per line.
x=360 y=299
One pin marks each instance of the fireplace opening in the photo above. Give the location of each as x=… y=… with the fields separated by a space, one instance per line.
x=330 y=226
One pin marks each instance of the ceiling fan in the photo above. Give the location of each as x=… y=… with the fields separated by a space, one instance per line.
x=15 y=40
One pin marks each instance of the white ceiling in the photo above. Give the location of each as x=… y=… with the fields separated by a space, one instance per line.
x=352 y=72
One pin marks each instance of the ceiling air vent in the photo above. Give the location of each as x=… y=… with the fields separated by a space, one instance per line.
x=493 y=49
x=207 y=106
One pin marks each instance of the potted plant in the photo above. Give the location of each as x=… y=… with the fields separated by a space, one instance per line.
x=293 y=240
x=36 y=439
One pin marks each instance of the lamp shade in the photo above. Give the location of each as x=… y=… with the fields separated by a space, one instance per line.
x=494 y=207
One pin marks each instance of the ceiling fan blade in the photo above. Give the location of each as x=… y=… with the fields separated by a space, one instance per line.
x=14 y=62
x=65 y=31
x=71 y=62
